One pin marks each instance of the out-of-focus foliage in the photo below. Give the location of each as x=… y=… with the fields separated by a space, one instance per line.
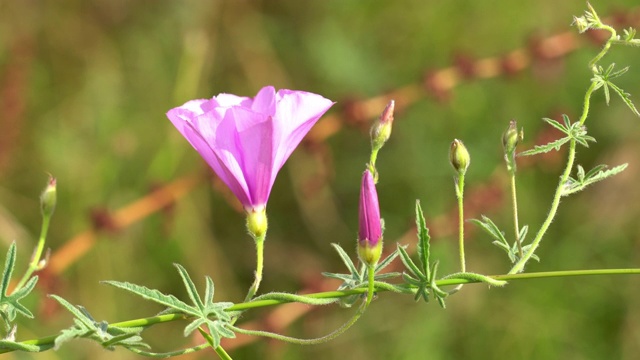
x=84 y=86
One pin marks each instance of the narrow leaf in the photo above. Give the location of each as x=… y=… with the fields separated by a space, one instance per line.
x=595 y=170
x=409 y=264
x=523 y=233
x=190 y=286
x=541 y=149
x=155 y=296
x=626 y=97
x=592 y=178
x=215 y=335
x=345 y=258
x=9 y=263
x=410 y=280
x=491 y=228
x=501 y=245
x=343 y=277
x=78 y=314
x=223 y=330
x=193 y=325
x=423 y=248
x=580 y=173
x=67 y=335
x=557 y=125
x=387 y=275
x=618 y=73
x=566 y=121
x=209 y=290
x=386 y=261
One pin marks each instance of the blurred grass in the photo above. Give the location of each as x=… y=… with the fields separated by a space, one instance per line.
x=85 y=86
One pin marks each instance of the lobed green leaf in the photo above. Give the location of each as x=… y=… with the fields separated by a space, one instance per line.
x=155 y=296
x=423 y=240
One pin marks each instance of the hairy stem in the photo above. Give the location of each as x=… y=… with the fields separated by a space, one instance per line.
x=34 y=264
x=460 y=196
x=47 y=342
x=259 y=267
x=514 y=202
x=519 y=266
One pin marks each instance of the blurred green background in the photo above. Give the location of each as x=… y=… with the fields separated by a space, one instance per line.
x=84 y=86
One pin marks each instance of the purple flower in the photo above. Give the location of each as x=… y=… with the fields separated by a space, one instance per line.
x=370 y=232
x=246 y=141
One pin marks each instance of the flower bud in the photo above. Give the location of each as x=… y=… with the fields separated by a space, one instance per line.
x=370 y=224
x=511 y=137
x=48 y=198
x=581 y=23
x=510 y=140
x=381 y=130
x=257 y=221
x=459 y=157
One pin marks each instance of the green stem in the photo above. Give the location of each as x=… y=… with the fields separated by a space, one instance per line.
x=514 y=202
x=519 y=266
x=341 y=330
x=372 y=164
x=34 y=265
x=587 y=103
x=46 y=342
x=259 y=266
x=222 y=354
x=334 y=334
x=605 y=48
x=371 y=271
x=372 y=160
x=169 y=354
x=460 y=196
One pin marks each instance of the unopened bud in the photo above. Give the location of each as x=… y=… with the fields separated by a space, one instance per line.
x=257 y=222
x=381 y=130
x=511 y=137
x=459 y=157
x=510 y=140
x=370 y=224
x=581 y=23
x=48 y=198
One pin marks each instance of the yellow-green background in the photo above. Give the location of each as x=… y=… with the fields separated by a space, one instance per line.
x=98 y=77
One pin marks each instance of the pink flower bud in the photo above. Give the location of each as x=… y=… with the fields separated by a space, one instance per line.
x=370 y=231
x=48 y=197
x=381 y=130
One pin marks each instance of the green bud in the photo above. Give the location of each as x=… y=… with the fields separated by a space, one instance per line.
x=511 y=137
x=459 y=157
x=381 y=130
x=581 y=23
x=48 y=198
x=510 y=140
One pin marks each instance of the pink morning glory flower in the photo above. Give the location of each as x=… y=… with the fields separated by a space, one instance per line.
x=247 y=140
x=370 y=230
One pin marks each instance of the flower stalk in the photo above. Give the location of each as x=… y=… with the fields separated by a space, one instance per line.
x=460 y=159
x=510 y=141
x=48 y=201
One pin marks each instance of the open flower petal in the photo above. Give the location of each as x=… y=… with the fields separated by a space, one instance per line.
x=246 y=141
